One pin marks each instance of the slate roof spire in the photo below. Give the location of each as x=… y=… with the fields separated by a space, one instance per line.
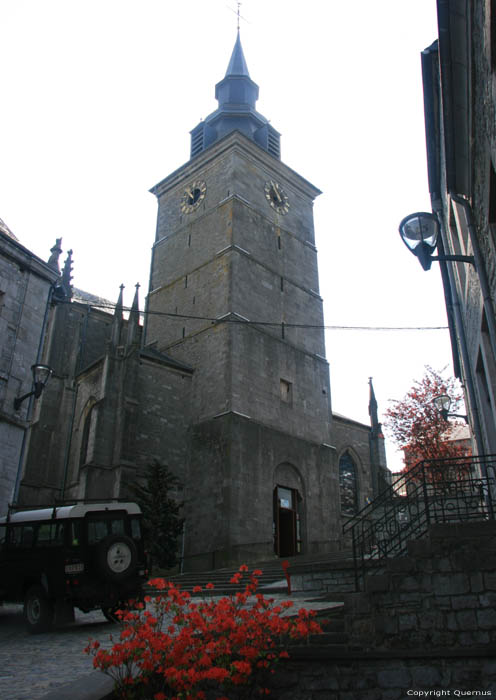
x=374 y=418
x=117 y=322
x=237 y=64
x=237 y=95
x=66 y=283
x=133 y=323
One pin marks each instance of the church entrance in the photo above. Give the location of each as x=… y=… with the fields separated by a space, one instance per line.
x=287 y=536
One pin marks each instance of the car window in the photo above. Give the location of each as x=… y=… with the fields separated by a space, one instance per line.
x=76 y=532
x=21 y=536
x=135 y=529
x=3 y=534
x=99 y=528
x=117 y=526
x=50 y=534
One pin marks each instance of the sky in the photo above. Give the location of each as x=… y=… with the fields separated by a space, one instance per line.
x=98 y=98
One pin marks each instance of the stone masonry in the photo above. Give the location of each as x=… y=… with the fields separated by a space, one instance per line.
x=25 y=287
x=443 y=594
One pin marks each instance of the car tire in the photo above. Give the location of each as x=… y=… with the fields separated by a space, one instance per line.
x=109 y=613
x=117 y=557
x=38 y=610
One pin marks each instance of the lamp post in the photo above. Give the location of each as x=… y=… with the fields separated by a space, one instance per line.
x=41 y=375
x=443 y=404
x=419 y=232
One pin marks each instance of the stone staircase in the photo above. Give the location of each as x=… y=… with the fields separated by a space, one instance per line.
x=310 y=574
x=318 y=582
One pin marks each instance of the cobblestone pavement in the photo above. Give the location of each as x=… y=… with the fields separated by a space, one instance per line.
x=33 y=665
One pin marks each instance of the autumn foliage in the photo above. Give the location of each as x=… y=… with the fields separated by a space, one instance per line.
x=176 y=647
x=418 y=428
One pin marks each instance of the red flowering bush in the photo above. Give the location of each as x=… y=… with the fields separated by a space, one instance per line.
x=180 y=648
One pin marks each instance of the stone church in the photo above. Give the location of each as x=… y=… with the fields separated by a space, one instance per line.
x=226 y=380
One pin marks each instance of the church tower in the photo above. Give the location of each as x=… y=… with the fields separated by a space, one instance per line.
x=234 y=293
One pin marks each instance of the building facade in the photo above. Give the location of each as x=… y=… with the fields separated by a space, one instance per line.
x=227 y=381
x=459 y=77
x=26 y=288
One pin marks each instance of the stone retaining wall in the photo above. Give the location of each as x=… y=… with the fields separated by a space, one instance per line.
x=443 y=594
x=323 y=676
x=324 y=578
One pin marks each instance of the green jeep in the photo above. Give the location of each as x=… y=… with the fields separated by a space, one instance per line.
x=83 y=554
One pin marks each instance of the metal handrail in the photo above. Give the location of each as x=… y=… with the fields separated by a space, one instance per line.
x=433 y=491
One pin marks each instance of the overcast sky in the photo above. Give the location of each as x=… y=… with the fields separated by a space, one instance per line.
x=99 y=96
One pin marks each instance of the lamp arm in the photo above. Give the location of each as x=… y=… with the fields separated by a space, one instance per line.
x=455 y=258
x=458 y=415
x=20 y=399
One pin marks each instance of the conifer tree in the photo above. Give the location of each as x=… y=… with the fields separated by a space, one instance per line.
x=162 y=521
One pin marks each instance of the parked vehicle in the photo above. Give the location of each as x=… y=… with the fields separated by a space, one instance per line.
x=83 y=554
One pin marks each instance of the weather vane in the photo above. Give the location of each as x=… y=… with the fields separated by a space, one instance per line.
x=237 y=13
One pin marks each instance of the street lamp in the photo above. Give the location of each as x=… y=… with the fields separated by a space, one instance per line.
x=41 y=375
x=443 y=404
x=419 y=232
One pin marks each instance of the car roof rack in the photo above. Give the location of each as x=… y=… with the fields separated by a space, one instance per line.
x=58 y=503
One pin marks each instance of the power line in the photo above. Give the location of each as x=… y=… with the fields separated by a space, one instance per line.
x=242 y=321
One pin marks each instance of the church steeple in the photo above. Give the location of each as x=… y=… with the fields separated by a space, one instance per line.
x=237 y=92
x=237 y=64
x=237 y=95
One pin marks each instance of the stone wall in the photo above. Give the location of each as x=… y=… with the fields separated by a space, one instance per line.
x=25 y=283
x=234 y=465
x=323 y=578
x=443 y=594
x=320 y=674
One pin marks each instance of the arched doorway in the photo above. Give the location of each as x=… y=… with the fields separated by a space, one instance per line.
x=287 y=526
x=287 y=511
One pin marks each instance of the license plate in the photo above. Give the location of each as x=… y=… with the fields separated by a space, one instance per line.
x=74 y=568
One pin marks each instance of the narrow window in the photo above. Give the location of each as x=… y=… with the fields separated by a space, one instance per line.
x=279 y=242
x=184 y=331
x=348 y=485
x=282 y=284
x=286 y=389
x=88 y=438
x=185 y=281
x=189 y=240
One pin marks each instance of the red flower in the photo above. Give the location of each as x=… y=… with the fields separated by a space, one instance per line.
x=217 y=641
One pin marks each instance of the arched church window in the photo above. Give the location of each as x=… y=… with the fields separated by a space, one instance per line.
x=88 y=437
x=348 y=486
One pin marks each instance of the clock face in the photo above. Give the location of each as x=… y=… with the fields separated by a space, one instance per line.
x=193 y=196
x=276 y=197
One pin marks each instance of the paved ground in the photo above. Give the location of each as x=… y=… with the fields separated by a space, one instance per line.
x=33 y=666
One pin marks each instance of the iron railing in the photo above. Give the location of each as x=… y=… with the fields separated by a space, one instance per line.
x=433 y=491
